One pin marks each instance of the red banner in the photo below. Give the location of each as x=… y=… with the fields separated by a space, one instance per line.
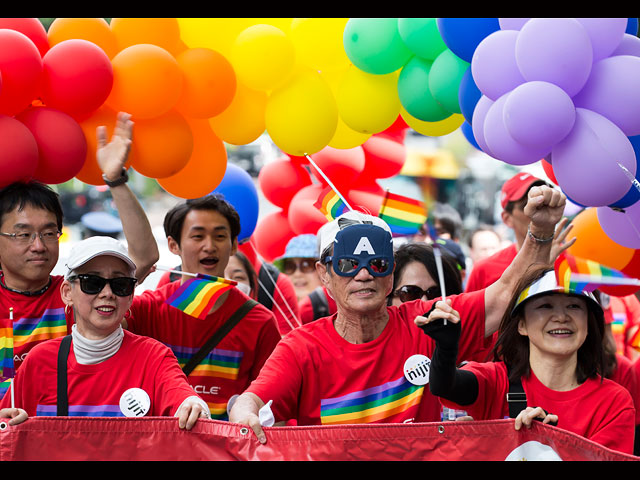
x=158 y=438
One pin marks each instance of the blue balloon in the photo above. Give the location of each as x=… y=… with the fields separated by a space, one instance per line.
x=468 y=95
x=238 y=189
x=463 y=35
x=632 y=26
x=467 y=131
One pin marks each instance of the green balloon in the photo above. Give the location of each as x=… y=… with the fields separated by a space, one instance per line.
x=444 y=80
x=413 y=90
x=374 y=45
x=421 y=36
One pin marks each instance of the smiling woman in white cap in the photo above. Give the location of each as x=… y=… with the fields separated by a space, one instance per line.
x=548 y=365
x=368 y=362
x=107 y=371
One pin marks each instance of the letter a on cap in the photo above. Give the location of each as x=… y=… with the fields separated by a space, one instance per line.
x=364 y=245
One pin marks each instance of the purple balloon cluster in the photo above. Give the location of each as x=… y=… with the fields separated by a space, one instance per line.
x=566 y=90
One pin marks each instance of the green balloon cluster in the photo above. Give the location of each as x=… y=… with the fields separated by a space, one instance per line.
x=430 y=73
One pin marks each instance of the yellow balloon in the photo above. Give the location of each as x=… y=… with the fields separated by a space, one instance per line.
x=262 y=56
x=433 y=129
x=318 y=42
x=368 y=103
x=218 y=34
x=346 y=137
x=301 y=115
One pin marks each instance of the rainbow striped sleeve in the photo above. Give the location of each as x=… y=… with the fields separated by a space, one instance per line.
x=404 y=215
x=330 y=204
x=196 y=296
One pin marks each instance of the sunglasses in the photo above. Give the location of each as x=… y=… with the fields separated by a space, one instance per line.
x=305 y=266
x=407 y=293
x=349 y=267
x=93 y=284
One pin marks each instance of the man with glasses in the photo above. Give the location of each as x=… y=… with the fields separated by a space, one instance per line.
x=369 y=362
x=31 y=309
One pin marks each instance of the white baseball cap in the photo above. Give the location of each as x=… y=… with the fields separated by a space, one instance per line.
x=97 y=246
x=327 y=233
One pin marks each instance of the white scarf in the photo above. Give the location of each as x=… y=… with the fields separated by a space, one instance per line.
x=90 y=352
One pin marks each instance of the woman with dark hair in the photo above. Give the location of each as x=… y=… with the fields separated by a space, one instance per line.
x=416 y=274
x=241 y=270
x=548 y=365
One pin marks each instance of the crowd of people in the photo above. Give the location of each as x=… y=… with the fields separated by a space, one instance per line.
x=348 y=326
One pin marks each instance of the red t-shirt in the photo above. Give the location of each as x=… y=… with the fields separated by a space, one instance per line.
x=96 y=390
x=317 y=378
x=602 y=412
x=490 y=269
x=229 y=368
x=35 y=319
x=626 y=376
x=306 y=308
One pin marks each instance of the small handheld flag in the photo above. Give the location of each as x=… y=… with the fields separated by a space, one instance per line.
x=7 y=369
x=197 y=295
x=578 y=275
x=404 y=215
x=331 y=204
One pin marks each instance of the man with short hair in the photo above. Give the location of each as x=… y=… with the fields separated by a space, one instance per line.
x=30 y=226
x=204 y=232
x=369 y=362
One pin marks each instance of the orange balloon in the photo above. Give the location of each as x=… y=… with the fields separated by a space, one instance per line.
x=163 y=32
x=161 y=146
x=95 y=30
x=205 y=169
x=243 y=121
x=90 y=172
x=209 y=83
x=147 y=81
x=593 y=243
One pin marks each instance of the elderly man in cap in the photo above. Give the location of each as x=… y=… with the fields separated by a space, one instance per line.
x=369 y=362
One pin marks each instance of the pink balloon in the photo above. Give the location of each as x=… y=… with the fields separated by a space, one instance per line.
x=590 y=162
x=621 y=227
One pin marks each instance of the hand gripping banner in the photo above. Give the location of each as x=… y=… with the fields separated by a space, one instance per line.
x=158 y=438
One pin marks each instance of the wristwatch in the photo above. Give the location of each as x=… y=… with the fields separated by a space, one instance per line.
x=118 y=181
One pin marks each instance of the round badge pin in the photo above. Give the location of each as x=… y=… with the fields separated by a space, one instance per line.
x=135 y=402
x=416 y=369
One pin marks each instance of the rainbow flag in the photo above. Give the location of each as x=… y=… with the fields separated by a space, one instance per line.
x=7 y=369
x=330 y=204
x=635 y=340
x=577 y=274
x=404 y=215
x=197 y=295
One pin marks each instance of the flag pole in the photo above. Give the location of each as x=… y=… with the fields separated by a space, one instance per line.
x=13 y=401
x=328 y=181
x=438 y=255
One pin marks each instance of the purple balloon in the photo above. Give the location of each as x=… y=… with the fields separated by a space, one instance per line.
x=477 y=122
x=605 y=34
x=630 y=45
x=590 y=162
x=613 y=91
x=555 y=50
x=502 y=144
x=621 y=227
x=539 y=114
x=512 y=23
x=493 y=65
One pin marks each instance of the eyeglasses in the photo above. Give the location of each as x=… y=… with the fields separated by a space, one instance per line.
x=349 y=267
x=306 y=265
x=407 y=293
x=93 y=284
x=26 y=238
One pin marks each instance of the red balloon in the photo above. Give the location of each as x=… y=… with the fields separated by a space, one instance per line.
x=397 y=131
x=21 y=67
x=303 y=216
x=32 y=28
x=342 y=167
x=77 y=77
x=366 y=201
x=18 y=151
x=61 y=143
x=280 y=180
x=271 y=235
x=384 y=158
x=548 y=169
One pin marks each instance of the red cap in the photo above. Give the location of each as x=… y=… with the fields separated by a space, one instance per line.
x=517 y=186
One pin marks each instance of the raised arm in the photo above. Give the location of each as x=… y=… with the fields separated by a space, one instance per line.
x=111 y=157
x=544 y=208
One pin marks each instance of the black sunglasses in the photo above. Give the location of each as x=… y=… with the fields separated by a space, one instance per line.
x=407 y=293
x=289 y=266
x=93 y=284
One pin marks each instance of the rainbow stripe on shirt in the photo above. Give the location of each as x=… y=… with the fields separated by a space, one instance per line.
x=371 y=405
x=52 y=324
x=218 y=363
